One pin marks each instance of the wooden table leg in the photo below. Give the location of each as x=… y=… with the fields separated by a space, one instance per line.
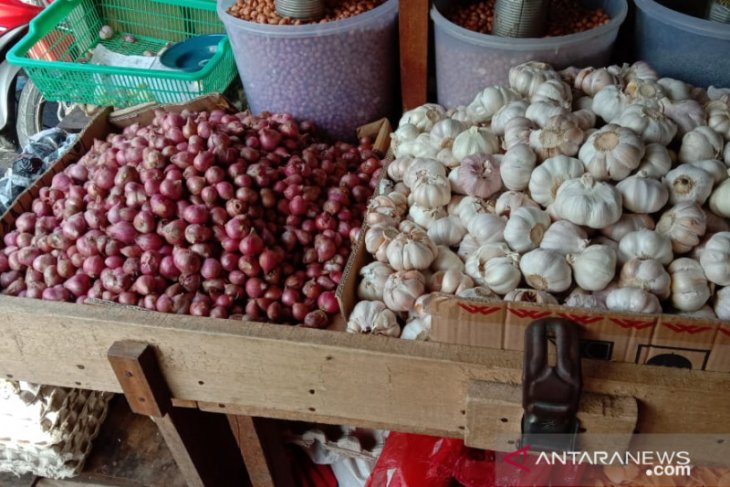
x=413 y=25
x=201 y=443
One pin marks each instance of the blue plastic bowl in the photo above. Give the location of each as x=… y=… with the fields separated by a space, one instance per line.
x=192 y=54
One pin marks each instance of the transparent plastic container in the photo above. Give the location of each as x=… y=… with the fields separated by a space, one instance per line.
x=340 y=74
x=680 y=46
x=467 y=61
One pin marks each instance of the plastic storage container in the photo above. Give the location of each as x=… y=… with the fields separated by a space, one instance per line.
x=467 y=61
x=680 y=46
x=339 y=74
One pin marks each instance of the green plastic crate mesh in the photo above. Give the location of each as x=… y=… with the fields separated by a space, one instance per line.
x=62 y=36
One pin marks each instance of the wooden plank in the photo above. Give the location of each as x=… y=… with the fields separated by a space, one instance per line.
x=135 y=366
x=494 y=415
x=339 y=378
x=413 y=25
x=261 y=445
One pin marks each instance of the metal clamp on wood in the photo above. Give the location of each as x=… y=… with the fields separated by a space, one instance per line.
x=551 y=394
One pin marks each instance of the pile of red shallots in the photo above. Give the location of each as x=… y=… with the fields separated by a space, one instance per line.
x=209 y=214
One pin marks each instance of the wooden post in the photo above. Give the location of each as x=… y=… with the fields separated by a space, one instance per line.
x=201 y=444
x=413 y=25
x=263 y=451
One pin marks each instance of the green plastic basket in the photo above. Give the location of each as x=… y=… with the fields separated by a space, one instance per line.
x=65 y=32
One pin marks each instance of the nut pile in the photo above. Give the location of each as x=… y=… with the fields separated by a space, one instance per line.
x=564 y=17
x=264 y=11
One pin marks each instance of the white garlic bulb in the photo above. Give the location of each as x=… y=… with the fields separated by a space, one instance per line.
x=475 y=140
x=633 y=300
x=690 y=289
x=722 y=303
x=715 y=223
x=446 y=260
x=541 y=112
x=397 y=167
x=487 y=228
x=648 y=93
x=547 y=178
x=494 y=266
x=422 y=166
x=417 y=329
x=585 y=119
x=510 y=201
x=720 y=199
x=651 y=124
x=645 y=244
x=517 y=131
x=460 y=114
x=526 y=77
x=609 y=102
x=628 y=222
x=646 y=274
x=523 y=295
x=554 y=91
x=714 y=167
x=656 y=162
x=594 y=268
x=443 y=132
x=705 y=313
x=612 y=152
x=402 y=288
x=564 y=238
x=423 y=117
x=517 y=166
x=373 y=280
x=726 y=154
x=418 y=147
x=467 y=247
x=700 y=143
x=506 y=113
x=587 y=202
x=408 y=226
x=546 y=270
x=446 y=157
x=405 y=133
x=561 y=135
x=675 y=89
x=688 y=183
x=412 y=250
x=683 y=224
x=686 y=114
x=447 y=231
x=377 y=239
x=425 y=217
x=579 y=298
x=479 y=293
x=431 y=191
x=715 y=259
x=469 y=207
x=639 y=71
x=641 y=194
x=450 y=282
x=373 y=317
x=489 y=101
x=718 y=112
x=525 y=228
x=592 y=80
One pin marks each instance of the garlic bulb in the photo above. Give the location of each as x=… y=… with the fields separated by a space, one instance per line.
x=413 y=250
x=700 y=143
x=530 y=296
x=422 y=166
x=373 y=317
x=377 y=239
x=444 y=132
x=509 y=201
x=525 y=228
x=646 y=274
x=715 y=223
x=423 y=117
x=686 y=114
x=417 y=329
x=425 y=217
x=405 y=133
x=489 y=101
x=397 y=168
x=449 y=282
x=431 y=191
x=683 y=224
x=479 y=293
x=656 y=162
x=627 y=223
x=546 y=270
x=507 y=113
x=688 y=183
x=487 y=228
x=601 y=240
x=388 y=208
x=516 y=167
x=547 y=178
x=718 y=113
x=633 y=300
x=643 y=195
x=651 y=124
x=402 y=288
x=373 y=279
x=722 y=304
x=720 y=199
x=460 y=114
x=561 y=135
x=106 y=32
x=640 y=70
x=467 y=247
x=584 y=201
x=579 y=298
x=715 y=259
x=455 y=182
x=592 y=80
x=714 y=167
x=705 y=313
x=609 y=102
x=554 y=91
x=447 y=231
x=418 y=147
x=408 y=226
x=401 y=188
x=541 y=112
x=564 y=238
x=517 y=131
x=585 y=119
x=479 y=176
x=690 y=289
x=494 y=266
x=469 y=207
x=612 y=152
x=726 y=154
x=474 y=140
x=446 y=157
x=645 y=244
x=385 y=186
x=446 y=260
x=675 y=89
x=594 y=268
x=526 y=77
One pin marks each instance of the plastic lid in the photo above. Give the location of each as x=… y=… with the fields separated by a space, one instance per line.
x=684 y=22
x=616 y=8
x=389 y=7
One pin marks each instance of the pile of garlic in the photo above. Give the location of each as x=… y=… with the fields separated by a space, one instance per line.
x=598 y=187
